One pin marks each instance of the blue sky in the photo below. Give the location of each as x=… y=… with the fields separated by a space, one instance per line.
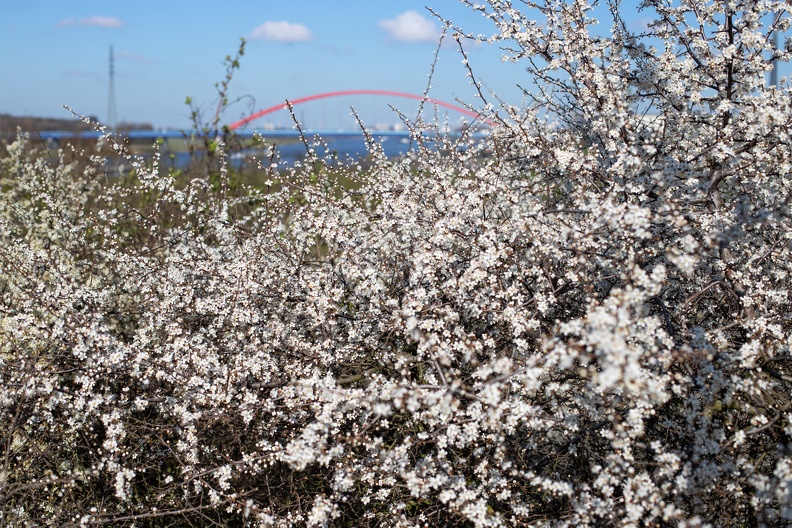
x=56 y=53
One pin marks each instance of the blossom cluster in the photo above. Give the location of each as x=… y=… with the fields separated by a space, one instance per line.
x=581 y=320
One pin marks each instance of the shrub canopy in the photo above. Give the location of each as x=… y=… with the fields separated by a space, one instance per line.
x=582 y=320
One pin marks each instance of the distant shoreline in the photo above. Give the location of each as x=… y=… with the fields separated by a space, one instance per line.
x=9 y=125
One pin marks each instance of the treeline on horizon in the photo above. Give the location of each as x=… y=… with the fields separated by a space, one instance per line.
x=9 y=124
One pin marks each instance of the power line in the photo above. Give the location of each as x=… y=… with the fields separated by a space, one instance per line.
x=111 y=101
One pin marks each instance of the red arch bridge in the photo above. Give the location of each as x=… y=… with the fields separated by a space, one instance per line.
x=341 y=93
x=145 y=135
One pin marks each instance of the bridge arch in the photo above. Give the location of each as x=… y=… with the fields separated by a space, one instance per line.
x=341 y=93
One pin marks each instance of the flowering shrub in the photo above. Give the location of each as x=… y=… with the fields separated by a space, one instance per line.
x=584 y=324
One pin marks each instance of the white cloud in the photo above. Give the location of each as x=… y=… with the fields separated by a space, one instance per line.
x=95 y=21
x=282 y=32
x=410 y=26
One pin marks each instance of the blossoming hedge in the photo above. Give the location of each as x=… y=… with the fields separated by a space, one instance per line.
x=574 y=324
